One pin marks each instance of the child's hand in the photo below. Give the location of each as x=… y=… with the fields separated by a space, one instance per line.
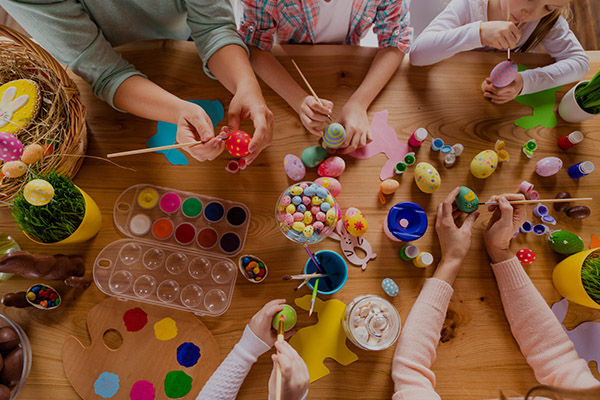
x=499 y=34
x=194 y=124
x=504 y=94
x=294 y=381
x=262 y=320
x=313 y=115
x=505 y=221
x=356 y=123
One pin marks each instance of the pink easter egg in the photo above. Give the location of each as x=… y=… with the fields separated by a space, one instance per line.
x=321 y=216
x=237 y=143
x=11 y=148
x=293 y=167
x=288 y=219
x=332 y=167
x=286 y=200
x=318 y=225
x=504 y=73
x=548 y=166
x=298 y=216
x=333 y=185
x=306 y=200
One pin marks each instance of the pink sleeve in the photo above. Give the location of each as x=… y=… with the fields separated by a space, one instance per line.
x=415 y=351
x=392 y=25
x=542 y=340
x=258 y=25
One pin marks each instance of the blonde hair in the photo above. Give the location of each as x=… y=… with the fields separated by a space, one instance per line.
x=544 y=26
x=554 y=393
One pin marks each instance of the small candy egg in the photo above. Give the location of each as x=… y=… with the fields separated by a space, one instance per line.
x=293 y=167
x=308 y=231
x=548 y=166
x=288 y=219
x=322 y=192
x=303 y=185
x=296 y=200
x=298 y=226
x=237 y=143
x=320 y=216
x=332 y=167
x=301 y=208
x=308 y=218
x=334 y=135
x=318 y=226
x=504 y=73
x=390 y=287
x=11 y=148
x=333 y=185
x=286 y=200
x=315 y=209
x=313 y=156
x=467 y=200
x=14 y=169
x=355 y=222
x=484 y=164
x=329 y=199
x=298 y=216
x=331 y=216
x=310 y=191
x=316 y=200
x=427 y=178
x=306 y=200
x=325 y=206
x=296 y=190
x=32 y=153
x=290 y=209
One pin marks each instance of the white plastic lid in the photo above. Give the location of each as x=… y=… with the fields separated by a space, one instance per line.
x=420 y=134
x=458 y=149
x=575 y=137
x=586 y=167
x=426 y=258
x=411 y=251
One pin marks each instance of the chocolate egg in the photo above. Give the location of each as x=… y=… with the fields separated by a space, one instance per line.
x=578 y=212
x=11 y=148
x=564 y=242
x=4 y=392
x=332 y=167
x=8 y=339
x=13 y=366
x=355 y=222
x=313 y=156
x=564 y=205
x=548 y=166
x=484 y=164
x=237 y=143
x=14 y=169
x=504 y=73
x=293 y=167
x=467 y=200
x=32 y=153
x=427 y=178
x=331 y=184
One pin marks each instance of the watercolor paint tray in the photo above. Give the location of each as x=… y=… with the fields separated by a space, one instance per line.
x=169 y=276
x=179 y=218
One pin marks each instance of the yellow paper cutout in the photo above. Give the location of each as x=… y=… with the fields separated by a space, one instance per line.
x=165 y=329
x=325 y=339
x=15 y=117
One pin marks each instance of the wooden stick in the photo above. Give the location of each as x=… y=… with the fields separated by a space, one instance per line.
x=493 y=203
x=153 y=149
x=303 y=276
x=508 y=19
x=309 y=87
x=278 y=376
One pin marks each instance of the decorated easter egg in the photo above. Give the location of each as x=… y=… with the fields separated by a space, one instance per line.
x=484 y=164
x=11 y=148
x=334 y=135
x=504 y=73
x=13 y=169
x=389 y=186
x=313 y=156
x=237 y=143
x=355 y=222
x=564 y=242
x=293 y=167
x=427 y=178
x=332 y=167
x=390 y=287
x=32 y=153
x=289 y=318
x=19 y=105
x=467 y=200
x=38 y=192
x=548 y=166
x=333 y=185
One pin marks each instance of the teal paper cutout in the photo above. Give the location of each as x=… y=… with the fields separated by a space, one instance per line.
x=542 y=104
x=166 y=132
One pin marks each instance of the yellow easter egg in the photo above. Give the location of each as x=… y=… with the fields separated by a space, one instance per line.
x=13 y=169
x=355 y=222
x=38 y=192
x=19 y=104
x=484 y=164
x=427 y=178
x=307 y=217
x=32 y=153
x=298 y=226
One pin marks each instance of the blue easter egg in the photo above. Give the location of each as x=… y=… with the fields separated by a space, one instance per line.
x=390 y=287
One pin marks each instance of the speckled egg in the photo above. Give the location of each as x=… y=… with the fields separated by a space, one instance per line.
x=13 y=169
x=333 y=185
x=548 y=166
x=504 y=73
x=427 y=178
x=332 y=167
x=11 y=148
x=32 y=153
x=237 y=143
x=313 y=156
x=484 y=164
x=355 y=222
x=294 y=168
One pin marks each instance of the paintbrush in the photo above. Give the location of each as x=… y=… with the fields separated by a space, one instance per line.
x=314 y=297
x=495 y=203
x=304 y=282
x=310 y=87
x=278 y=376
x=159 y=148
x=303 y=276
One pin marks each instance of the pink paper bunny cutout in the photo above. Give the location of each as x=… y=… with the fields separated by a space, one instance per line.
x=349 y=242
x=8 y=106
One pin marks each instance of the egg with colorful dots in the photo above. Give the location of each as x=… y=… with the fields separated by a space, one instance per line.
x=355 y=222
x=11 y=148
x=237 y=143
x=331 y=184
x=332 y=167
x=293 y=167
x=289 y=318
x=427 y=178
x=504 y=73
x=334 y=135
x=484 y=164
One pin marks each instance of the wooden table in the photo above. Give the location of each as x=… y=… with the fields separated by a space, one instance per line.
x=478 y=356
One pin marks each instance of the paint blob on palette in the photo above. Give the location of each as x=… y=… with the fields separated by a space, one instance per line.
x=176 y=277
x=182 y=218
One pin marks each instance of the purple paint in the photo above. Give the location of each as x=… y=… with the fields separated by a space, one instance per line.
x=142 y=390
x=188 y=354
x=170 y=202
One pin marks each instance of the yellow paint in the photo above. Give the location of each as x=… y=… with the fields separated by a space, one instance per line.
x=165 y=329
x=470 y=196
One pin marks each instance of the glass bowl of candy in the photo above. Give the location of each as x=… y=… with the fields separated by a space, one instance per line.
x=15 y=351
x=306 y=212
x=371 y=322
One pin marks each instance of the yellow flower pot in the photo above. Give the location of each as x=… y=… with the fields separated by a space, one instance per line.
x=567 y=279
x=89 y=227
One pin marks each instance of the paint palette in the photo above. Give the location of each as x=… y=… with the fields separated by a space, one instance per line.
x=163 y=275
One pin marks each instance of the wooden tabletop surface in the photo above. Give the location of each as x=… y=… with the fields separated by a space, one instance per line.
x=478 y=356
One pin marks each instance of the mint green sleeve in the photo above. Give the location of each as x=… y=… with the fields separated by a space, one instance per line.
x=212 y=27
x=66 y=31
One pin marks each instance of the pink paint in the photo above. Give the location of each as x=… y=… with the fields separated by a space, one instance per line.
x=142 y=390
x=417 y=137
x=185 y=233
x=170 y=202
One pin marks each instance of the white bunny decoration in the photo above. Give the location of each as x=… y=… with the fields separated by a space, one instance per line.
x=349 y=242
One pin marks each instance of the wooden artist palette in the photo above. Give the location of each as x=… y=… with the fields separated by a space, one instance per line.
x=164 y=354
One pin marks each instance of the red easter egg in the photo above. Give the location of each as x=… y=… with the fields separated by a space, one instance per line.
x=237 y=143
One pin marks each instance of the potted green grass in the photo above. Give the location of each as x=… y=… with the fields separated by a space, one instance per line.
x=578 y=278
x=582 y=101
x=68 y=215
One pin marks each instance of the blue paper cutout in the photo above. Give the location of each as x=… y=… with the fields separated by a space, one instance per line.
x=166 y=133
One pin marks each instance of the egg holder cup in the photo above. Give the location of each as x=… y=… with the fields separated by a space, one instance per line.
x=183 y=269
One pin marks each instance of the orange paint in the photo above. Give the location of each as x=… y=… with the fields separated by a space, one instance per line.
x=162 y=229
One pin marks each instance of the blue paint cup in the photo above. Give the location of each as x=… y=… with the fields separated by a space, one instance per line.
x=437 y=144
x=334 y=265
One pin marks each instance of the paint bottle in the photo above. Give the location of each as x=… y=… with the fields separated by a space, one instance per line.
x=418 y=137
x=570 y=140
x=409 y=252
x=437 y=144
x=423 y=260
x=581 y=169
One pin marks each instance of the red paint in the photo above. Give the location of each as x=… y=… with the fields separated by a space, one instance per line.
x=135 y=319
x=207 y=238
x=185 y=233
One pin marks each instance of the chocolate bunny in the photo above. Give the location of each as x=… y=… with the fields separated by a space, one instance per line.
x=349 y=242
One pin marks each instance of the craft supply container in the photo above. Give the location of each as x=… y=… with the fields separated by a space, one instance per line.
x=371 y=322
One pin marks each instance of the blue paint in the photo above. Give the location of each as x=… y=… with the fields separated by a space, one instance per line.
x=188 y=354
x=107 y=385
x=214 y=211
x=581 y=169
x=166 y=133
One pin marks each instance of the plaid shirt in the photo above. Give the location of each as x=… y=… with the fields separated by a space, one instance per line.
x=295 y=21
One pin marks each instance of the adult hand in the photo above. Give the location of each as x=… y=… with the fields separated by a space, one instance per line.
x=501 y=95
x=248 y=102
x=356 y=123
x=295 y=378
x=499 y=34
x=314 y=115
x=262 y=320
x=505 y=222
x=193 y=124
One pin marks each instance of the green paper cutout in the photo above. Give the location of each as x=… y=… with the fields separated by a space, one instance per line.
x=542 y=104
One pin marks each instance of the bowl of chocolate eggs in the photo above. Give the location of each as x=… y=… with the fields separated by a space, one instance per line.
x=15 y=358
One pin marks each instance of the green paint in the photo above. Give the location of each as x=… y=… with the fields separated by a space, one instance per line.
x=542 y=104
x=177 y=384
x=192 y=207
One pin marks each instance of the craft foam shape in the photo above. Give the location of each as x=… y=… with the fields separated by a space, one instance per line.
x=585 y=336
x=19 y=104
x=166 y=133
x=325 y=339
x=594 y=244
x=349 y=243
x=542 y=104
x=133 y=361
x=385 y=140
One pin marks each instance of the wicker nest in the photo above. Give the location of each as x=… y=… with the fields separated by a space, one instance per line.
x=61 y=119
